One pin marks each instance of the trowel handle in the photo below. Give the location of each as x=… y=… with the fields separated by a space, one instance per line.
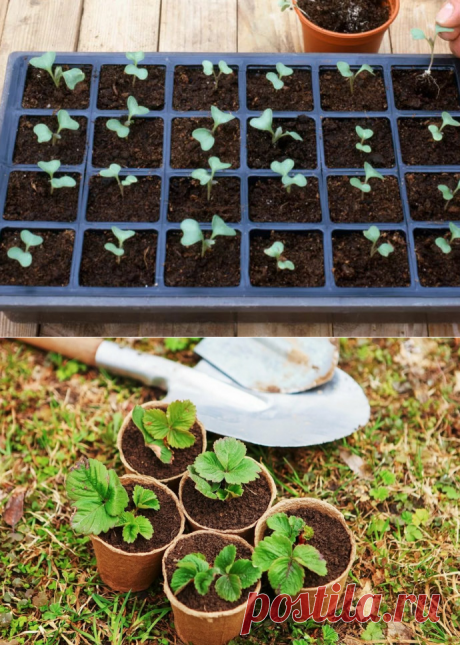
x=83 y=349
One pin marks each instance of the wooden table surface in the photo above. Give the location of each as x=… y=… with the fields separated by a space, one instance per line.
x=188 y=25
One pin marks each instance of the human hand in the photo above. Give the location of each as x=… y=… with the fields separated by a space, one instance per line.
x=449 y=16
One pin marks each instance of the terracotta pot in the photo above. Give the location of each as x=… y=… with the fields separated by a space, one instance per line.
x=172 y=482
x=246 y=532
x=291 y=505
x=317 y=39
x=124 y=571
x=200 y=627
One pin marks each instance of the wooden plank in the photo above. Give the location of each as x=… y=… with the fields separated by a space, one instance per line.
x=262 y=27
x=384 y=330
x=10 y=329
x=3 y=10
x=310 y=330
x=416 y=13
x=444 y=330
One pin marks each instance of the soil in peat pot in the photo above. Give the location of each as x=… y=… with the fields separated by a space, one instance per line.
x=115 y=87
x=166 y=523
x=415 y=91
x=139 y=203
x=426 y=201
x=136 y=268
x=219 y=267
x=144 y=461
x=51 y=260
x=369 y=93
x=261 y=151
x=295 y=96
x=269 y=201
x=349 y=205
x=435 y=268
x=142 y=148
x=305 y=250
x=186 y=152
x=340 y=139
x=29 y=198
x=70 y=150
x=193 y=90
x=189 y=200
x=420 y=149
x=210 y=545
x=40 y=91
x=347 y=16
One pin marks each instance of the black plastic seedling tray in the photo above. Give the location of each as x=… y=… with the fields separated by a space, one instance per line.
x=330 y=302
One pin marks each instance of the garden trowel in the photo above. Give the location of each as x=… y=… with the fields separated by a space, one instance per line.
x=327 y=412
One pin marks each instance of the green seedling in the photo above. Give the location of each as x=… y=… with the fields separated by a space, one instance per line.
x=134 y=109
x=373 y=235
x=132 y=69
x=364 y=135
x=24 y=257
x=447 y=119
x=346 y=71
x=192 y=233
x=204 y=136
x=277 y=79
x=65 y=122
x=121 y=236
x=135 y=524
x=291 y=4
x=114 y=171
x=448 y=194
x=222 y=473
x=208 y=69
x=365 y=186
x=284 y=169
x=419 y=34
x=276 y=251
x=207 y=179
x=265 y=123
x=50 y=167
x=71 y=77
x=446 y=246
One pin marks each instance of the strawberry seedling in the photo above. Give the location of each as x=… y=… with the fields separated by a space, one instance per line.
x=364 y=135
x=276 y=251
x=346 y=72
x=71 y=77
x=65 y=122
x=373 y=235
x=24 y=257
x=50 y=167
x=207 y=179
x=114 y=171
x=208 y=70
x=265 y=123
x=365 y=186
x=419 y=34
x=192 y=233
x=121 y=236
x=446 y=246
x=448 y=194
x=134 y=109
x=206 y=137
x=277 y=79
x=437 y=132
x=283 y=169
x=132 y=69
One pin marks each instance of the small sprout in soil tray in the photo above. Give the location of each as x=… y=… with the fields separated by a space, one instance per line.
x=71 y=78
x=284 y=169
x=265 y=123
x=290 y=4
x=114 y=171
x=276 y=79
x=207 y=179
x=132 y=69
x=134 y=109
x=364 y=135
x=446 y=246
x=121 y=236
x=346 y=71
x=204 y=136
x=192 y=233
x=447 y=119
x=276 y=251
x=65 y=121
x=418 y=34
x=208 y=69
x=365 y=186
x=373 y=235
x=24 y=257
x=50 y=167
x=448 y=194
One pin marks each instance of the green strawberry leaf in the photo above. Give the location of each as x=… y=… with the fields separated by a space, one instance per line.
x=225 y=559
x=229 y=587
x=286 y=576
x=145 y=498
x=310 y=558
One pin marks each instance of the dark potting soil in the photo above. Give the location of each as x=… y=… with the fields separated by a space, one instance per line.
x=210 y=545
x=165 y=522
x=29 y=198
x=40 y=91
x=415 y=91
x=354 y=267
x=369 y=93
x=188 y=199
x=233 y=514
x=220 y=266
x=143 y=460
x=136 y=268
x=51 y=260
x=186 y=152
x=140 y=202
x=193 y=90
x=435 y=268
x=426 y=200
x=142 y=148
x=70 y=150
x=420 y=149
x=347 y=16
x=348 y=204
x=115 y=87
x=305 y=250
x=261 y=151
x=269 y=201
x=340 y=139
x=295 y=96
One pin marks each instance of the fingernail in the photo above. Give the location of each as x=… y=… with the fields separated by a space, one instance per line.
x=445 y=14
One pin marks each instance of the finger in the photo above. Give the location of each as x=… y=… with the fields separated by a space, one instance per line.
x=455 y=47
x=447 y=35
x=449 y=16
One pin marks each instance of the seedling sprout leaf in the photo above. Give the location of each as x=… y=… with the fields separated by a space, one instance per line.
x=455 y=230
x=112 y=171
x=191 y=232
x=66 y=122
x=310 y=557
x=446 y=192
x=135 y=109
x=385 y=249
x=135 y=525
x=172 y=426
x=344 y=69
x=282 y=168
x=286 y=264
x=30 y=239
x=225 y=559
x=435 y=131
x=219 y=227
x=220 y=117
x=50 y=167
x=43 y=133
x=264 y=121
x=144 y=498
x=208 y=67
x=121 y=235
x=275 y=80
x=283 y=70
x=275 y=250
x=45 y=61
x=204 y=138
x=202 y=176
x=115 y=125
x=114 y=249
x=129 y=180
x=224 y=68
x=371 y=173
x=72 y=77
x=443 y=245
x=447 y=119
x=216 y=164
x=372 y=234
x=418 y=34
x=357 y=183
x=139 y=72
x=135 y=57
x=23 y=257
x=63 y=182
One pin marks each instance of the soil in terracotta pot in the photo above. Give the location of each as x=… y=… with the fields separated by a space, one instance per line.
x=295 y=96
x=144 y=461
x=186 y=152
x=419 y=148
x=70 y=150
x=166 y=523
x=139 y=203
x=142 y=148
x=115 y=87
x=209 y=545
x=426 y=200
x=305 y=250
x=233 y=514
x=29 y=198
x=193 y=90
x=354 y=267
x=40 y=91
x=269 y=201
x=435 y=268
x=261 y=151
x=369 y=93
x=219 y=267
x=348 y=204
x=347 y=16
x=136 y=268
x=51 y=260
x=340 y=139
x=189 y=200
x=415 y=91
